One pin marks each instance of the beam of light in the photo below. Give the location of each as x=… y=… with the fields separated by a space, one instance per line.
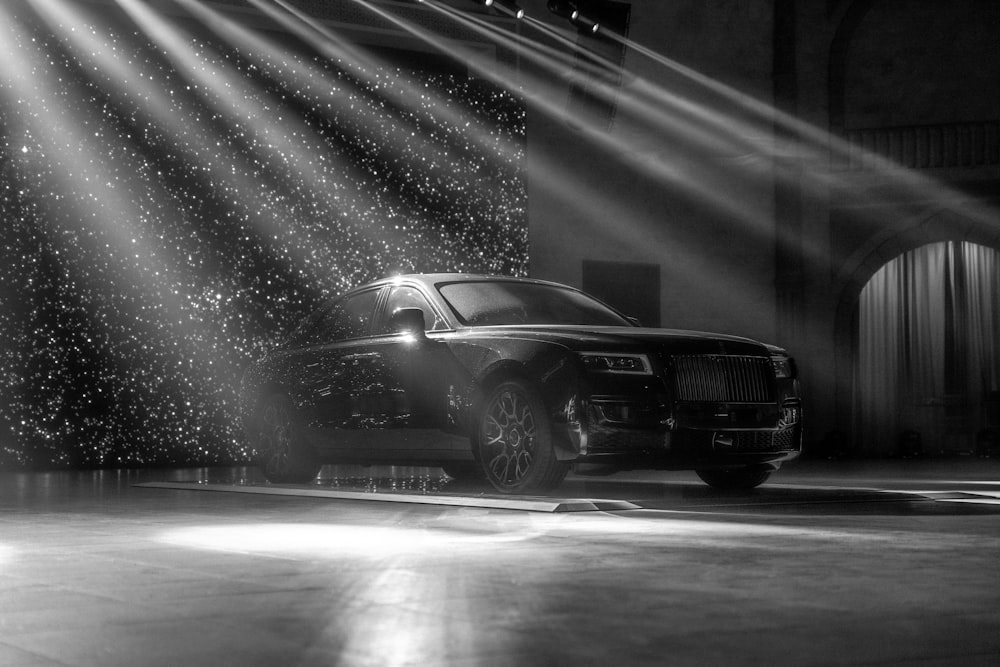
x=807 y=157
x=156 y=287
x=364 y=65
x=300 y=163
x=757 y=136
x=965 y=482
x=754 y=143
x=684 y=169
x=432 y=124
x=711 y=131
x=808 y=154
x=761 y=144
x=287 y=157
x=379 y=123
x=159 y=106
x=568 y=190
x=239 y=104
x=76 y=170
x=635 y=152
x=668 y=151
x=170 y=114
x=740 y=152
x=374 y=121
x=705 y=137
x=236 y=102
x=152 y=299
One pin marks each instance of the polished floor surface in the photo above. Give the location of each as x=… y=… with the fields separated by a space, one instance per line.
x=831 y=563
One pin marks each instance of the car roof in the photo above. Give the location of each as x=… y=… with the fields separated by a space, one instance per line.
x=431 y=279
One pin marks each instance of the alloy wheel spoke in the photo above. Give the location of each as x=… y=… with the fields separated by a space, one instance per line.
x=500 y=467
x=523 y=463
x=508 y=435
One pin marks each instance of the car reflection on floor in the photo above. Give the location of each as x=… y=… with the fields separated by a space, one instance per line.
x=667 y=491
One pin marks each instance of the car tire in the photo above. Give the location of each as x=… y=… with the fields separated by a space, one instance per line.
x=283 y=454
x=514 y=441
x=735 y=478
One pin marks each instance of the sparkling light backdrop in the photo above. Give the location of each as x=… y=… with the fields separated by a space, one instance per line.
x=151 y=247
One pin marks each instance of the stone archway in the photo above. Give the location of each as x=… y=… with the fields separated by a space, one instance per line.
x=932 y=227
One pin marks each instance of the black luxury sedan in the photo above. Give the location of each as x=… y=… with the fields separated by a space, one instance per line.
x=515 y=381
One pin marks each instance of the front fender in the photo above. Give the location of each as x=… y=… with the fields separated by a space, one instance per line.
x=555 y=371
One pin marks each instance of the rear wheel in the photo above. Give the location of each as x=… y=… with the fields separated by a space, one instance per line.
x=282 y=452
x=735 y=478
x=514 y=441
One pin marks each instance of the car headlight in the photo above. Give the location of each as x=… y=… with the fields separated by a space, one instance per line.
x=617 y=362
x=784 y=367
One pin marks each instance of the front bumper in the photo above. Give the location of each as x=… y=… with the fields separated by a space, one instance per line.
x=638 y=432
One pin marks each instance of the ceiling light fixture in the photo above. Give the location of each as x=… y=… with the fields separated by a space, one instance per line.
x=570 y=10
x=506 y=6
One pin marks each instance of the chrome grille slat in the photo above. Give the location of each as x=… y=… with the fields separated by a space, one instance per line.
x=723 y=378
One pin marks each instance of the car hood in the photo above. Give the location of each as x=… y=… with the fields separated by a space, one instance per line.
x=672 y=341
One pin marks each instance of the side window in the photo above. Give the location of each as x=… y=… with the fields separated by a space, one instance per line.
x=307 y=329
x=349 y=318
x=409 y=297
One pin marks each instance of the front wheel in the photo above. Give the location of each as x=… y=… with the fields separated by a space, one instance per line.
x=735 y=478
x=282 y=453
x=514 y=441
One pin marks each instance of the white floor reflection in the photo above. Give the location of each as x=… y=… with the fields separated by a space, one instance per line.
x=333 y=541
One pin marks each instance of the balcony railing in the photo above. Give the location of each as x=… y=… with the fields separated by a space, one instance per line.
x=924 y=146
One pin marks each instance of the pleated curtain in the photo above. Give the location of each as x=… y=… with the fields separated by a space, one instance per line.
x=929 y=349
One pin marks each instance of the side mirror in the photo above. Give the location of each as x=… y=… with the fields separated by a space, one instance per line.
x=408 y=320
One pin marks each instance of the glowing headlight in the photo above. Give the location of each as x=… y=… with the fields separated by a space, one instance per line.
x=784 y=367
x=606 y=362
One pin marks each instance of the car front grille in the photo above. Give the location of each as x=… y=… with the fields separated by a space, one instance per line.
x=610 y=440
x=765 y=441
x=723 y=378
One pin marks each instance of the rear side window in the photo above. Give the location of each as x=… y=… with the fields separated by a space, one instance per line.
x=348 y=318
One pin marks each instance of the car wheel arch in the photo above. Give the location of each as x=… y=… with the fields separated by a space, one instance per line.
x=284 y=454
x=496 y=375
x=547 y=467
x=260 y=396
x=490 y=379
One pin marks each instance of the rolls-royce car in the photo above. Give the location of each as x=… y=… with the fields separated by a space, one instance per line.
x=515 y=382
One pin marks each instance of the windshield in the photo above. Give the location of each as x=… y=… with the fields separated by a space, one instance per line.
x=490 y=303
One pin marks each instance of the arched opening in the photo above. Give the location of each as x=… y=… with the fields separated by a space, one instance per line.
x=927 y=363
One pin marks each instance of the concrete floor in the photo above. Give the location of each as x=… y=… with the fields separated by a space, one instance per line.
x=830 y=563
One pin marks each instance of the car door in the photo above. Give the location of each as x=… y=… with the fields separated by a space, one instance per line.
x=329 y=371
x=418 y=373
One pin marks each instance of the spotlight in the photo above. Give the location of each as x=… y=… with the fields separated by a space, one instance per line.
x=564 y=9
x=506 y=6
x=568 y=9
